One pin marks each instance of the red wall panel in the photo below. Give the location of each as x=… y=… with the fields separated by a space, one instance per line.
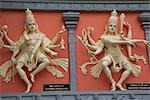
x=98 y=21
x=49 y=23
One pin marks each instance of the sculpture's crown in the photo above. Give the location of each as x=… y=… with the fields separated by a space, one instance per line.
x=29 y=15
x=113 y=17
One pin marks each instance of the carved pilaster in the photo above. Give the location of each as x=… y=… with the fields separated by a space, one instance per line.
x=145 y=21
x=71 y=19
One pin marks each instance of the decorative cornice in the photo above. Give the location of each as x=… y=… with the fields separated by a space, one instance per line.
x=77 y=5
x=145 y=21
x=109 y=95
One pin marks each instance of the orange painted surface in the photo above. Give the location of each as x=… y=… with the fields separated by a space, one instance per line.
x=49 y=23
x=98 y=21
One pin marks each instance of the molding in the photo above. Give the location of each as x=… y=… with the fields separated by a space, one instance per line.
x=145 y=21
x=77 y=5
x=95 y=95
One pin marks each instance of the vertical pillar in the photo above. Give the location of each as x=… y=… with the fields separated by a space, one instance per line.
x=145 y=21
x=71 y=19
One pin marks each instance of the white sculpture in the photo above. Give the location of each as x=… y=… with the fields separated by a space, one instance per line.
x=31 y=50
x=114 y=59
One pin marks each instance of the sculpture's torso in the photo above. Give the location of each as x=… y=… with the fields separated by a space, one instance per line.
x=111 y=48
x=31 y=42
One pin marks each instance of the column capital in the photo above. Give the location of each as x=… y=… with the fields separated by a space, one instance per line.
x=145 y=21
x=71 y=18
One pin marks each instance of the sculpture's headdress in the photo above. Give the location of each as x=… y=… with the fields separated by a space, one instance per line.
x=29 y=16
x=113 y=17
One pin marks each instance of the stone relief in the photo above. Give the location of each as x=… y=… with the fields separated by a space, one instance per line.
x=31 y=51
x=109 y=43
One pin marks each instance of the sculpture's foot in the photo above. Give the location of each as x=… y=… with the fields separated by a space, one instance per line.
x=120 y=87
x=113 y=86
x=32 y=78
x=28 y=87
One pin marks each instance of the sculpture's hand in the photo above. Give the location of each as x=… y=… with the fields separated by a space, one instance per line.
x=5 y=29
x=54 y=53
x=63 y=29
x=91 y=52
x=89 y=30
x=13 y=47
x=146 y=43
x=127 y=25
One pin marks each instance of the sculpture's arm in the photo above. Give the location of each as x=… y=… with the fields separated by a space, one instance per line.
x=126 y=42
x=8 y=39
x=54 y=40
x=4 y=32
x=47 y=50
x=54 y=46
x=129 y=36
x=91 y=41
x=15 y=53
x=16 y=47
x=98 y=50
x=96 y=45
x=92 y=47
x=37 y=45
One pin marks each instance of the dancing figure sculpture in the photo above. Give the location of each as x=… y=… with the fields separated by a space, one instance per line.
x=31 y=51
x=114 y=59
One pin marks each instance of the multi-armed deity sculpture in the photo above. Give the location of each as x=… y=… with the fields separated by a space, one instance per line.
x=31 y=51
x=114 y=59
x=33 y=47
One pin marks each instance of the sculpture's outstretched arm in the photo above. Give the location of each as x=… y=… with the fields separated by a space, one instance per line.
x=54 y=40
x=92 y=47
x=13 y=47
x=4 y=31
x=47 y=50
x=129 y=36
x=89 y=30
x=20 y=41
x=98 y=50
x=54 y=46
x=119 y=42
x=96 y=46
x=91 y=41
x=48 y=47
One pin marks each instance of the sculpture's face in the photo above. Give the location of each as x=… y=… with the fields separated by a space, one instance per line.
x=31 y=25
x=112 y=27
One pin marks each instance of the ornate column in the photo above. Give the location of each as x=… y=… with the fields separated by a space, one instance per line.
x=145 y=21
x=71 y=19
